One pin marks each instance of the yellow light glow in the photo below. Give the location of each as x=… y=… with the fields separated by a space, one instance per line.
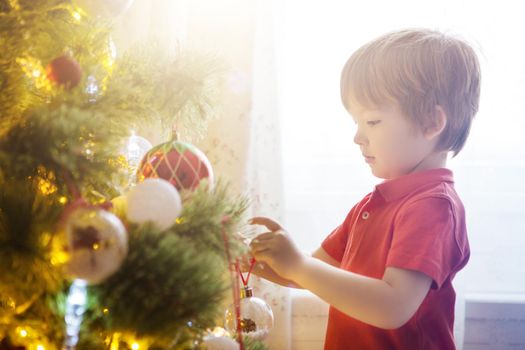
x=33 y=68
x=96 y=246
x=62 y=200
x=46 y=187
x=77 y=16
x=14 y=4
x=105 y=311
x=23 y=333
x=59 y=258
x=40 y=347
x=135 y=346
x=115 y=341
x=11 y=303
x=220 y=332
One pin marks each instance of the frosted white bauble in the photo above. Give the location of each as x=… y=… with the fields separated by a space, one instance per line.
x=220 y=343
x=154 y=200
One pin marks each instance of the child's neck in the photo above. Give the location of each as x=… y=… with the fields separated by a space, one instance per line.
x=434 y=160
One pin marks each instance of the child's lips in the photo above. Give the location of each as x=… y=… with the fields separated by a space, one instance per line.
x=369 y=159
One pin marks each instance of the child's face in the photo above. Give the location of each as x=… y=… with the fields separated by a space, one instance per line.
x=391 y=144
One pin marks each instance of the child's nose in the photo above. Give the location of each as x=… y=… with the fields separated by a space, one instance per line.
x=359 y=137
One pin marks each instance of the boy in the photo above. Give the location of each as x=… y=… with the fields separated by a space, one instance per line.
x=387 y=270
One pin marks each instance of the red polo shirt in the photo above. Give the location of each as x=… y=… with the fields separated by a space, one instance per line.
x=414 y=222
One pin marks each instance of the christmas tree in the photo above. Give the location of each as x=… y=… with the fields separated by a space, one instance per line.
x=106 y=243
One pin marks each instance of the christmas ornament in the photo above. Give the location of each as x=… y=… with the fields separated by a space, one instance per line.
x=256 y=317
x=104 y=8
x=180 y=163
x=219 y=339
x=135 y=149
x=64 y=71
x=154 y=200
x=96 y=244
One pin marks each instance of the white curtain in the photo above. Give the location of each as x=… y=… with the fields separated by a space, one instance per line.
x=265 y=161
x=243 y=141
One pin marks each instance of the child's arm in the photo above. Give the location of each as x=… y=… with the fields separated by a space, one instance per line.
x=385 y=303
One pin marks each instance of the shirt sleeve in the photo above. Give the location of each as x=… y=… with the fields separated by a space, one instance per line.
x=424 y=239
x=335 y=243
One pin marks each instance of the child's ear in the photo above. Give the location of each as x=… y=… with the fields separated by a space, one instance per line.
x=436 y=124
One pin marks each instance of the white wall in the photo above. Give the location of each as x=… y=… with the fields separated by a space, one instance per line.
x=324 y=172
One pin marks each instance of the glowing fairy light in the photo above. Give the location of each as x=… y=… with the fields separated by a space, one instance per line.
x=33 y=69
x=75 y=307
x=92 y=88
x=77 y=15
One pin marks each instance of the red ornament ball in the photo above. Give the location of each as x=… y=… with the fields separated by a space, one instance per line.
x=180 y=163
x=64 y=71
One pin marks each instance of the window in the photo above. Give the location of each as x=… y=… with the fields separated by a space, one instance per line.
x=324 y=173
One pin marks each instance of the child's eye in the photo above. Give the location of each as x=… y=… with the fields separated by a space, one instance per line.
x=373 y=122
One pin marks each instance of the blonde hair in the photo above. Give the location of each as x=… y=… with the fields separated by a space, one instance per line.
x=417 y=69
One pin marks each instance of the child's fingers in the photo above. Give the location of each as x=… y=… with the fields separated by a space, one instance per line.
x=257 y=246
x=269 y=223
x=245 y=262
x=262 y=256
x=264 y=236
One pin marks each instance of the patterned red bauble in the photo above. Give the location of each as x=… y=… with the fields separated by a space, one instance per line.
x=64 y=71
x=180 y=163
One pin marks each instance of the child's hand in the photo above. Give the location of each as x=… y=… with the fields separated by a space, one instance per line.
x=276 y=248
x=245 y=262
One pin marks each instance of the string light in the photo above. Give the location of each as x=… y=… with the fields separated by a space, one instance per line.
x=77 y=16
x=14 y=4
x=46 y=181
x=220 y=332
x=33 y=69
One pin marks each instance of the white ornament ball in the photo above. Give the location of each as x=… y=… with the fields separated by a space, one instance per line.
x=213 y=342
x=154 y=200
x=97 y=244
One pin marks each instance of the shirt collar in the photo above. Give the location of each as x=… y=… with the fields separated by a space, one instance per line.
x=401 y=186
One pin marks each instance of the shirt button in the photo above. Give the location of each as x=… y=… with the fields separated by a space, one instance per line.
x=365 y=215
